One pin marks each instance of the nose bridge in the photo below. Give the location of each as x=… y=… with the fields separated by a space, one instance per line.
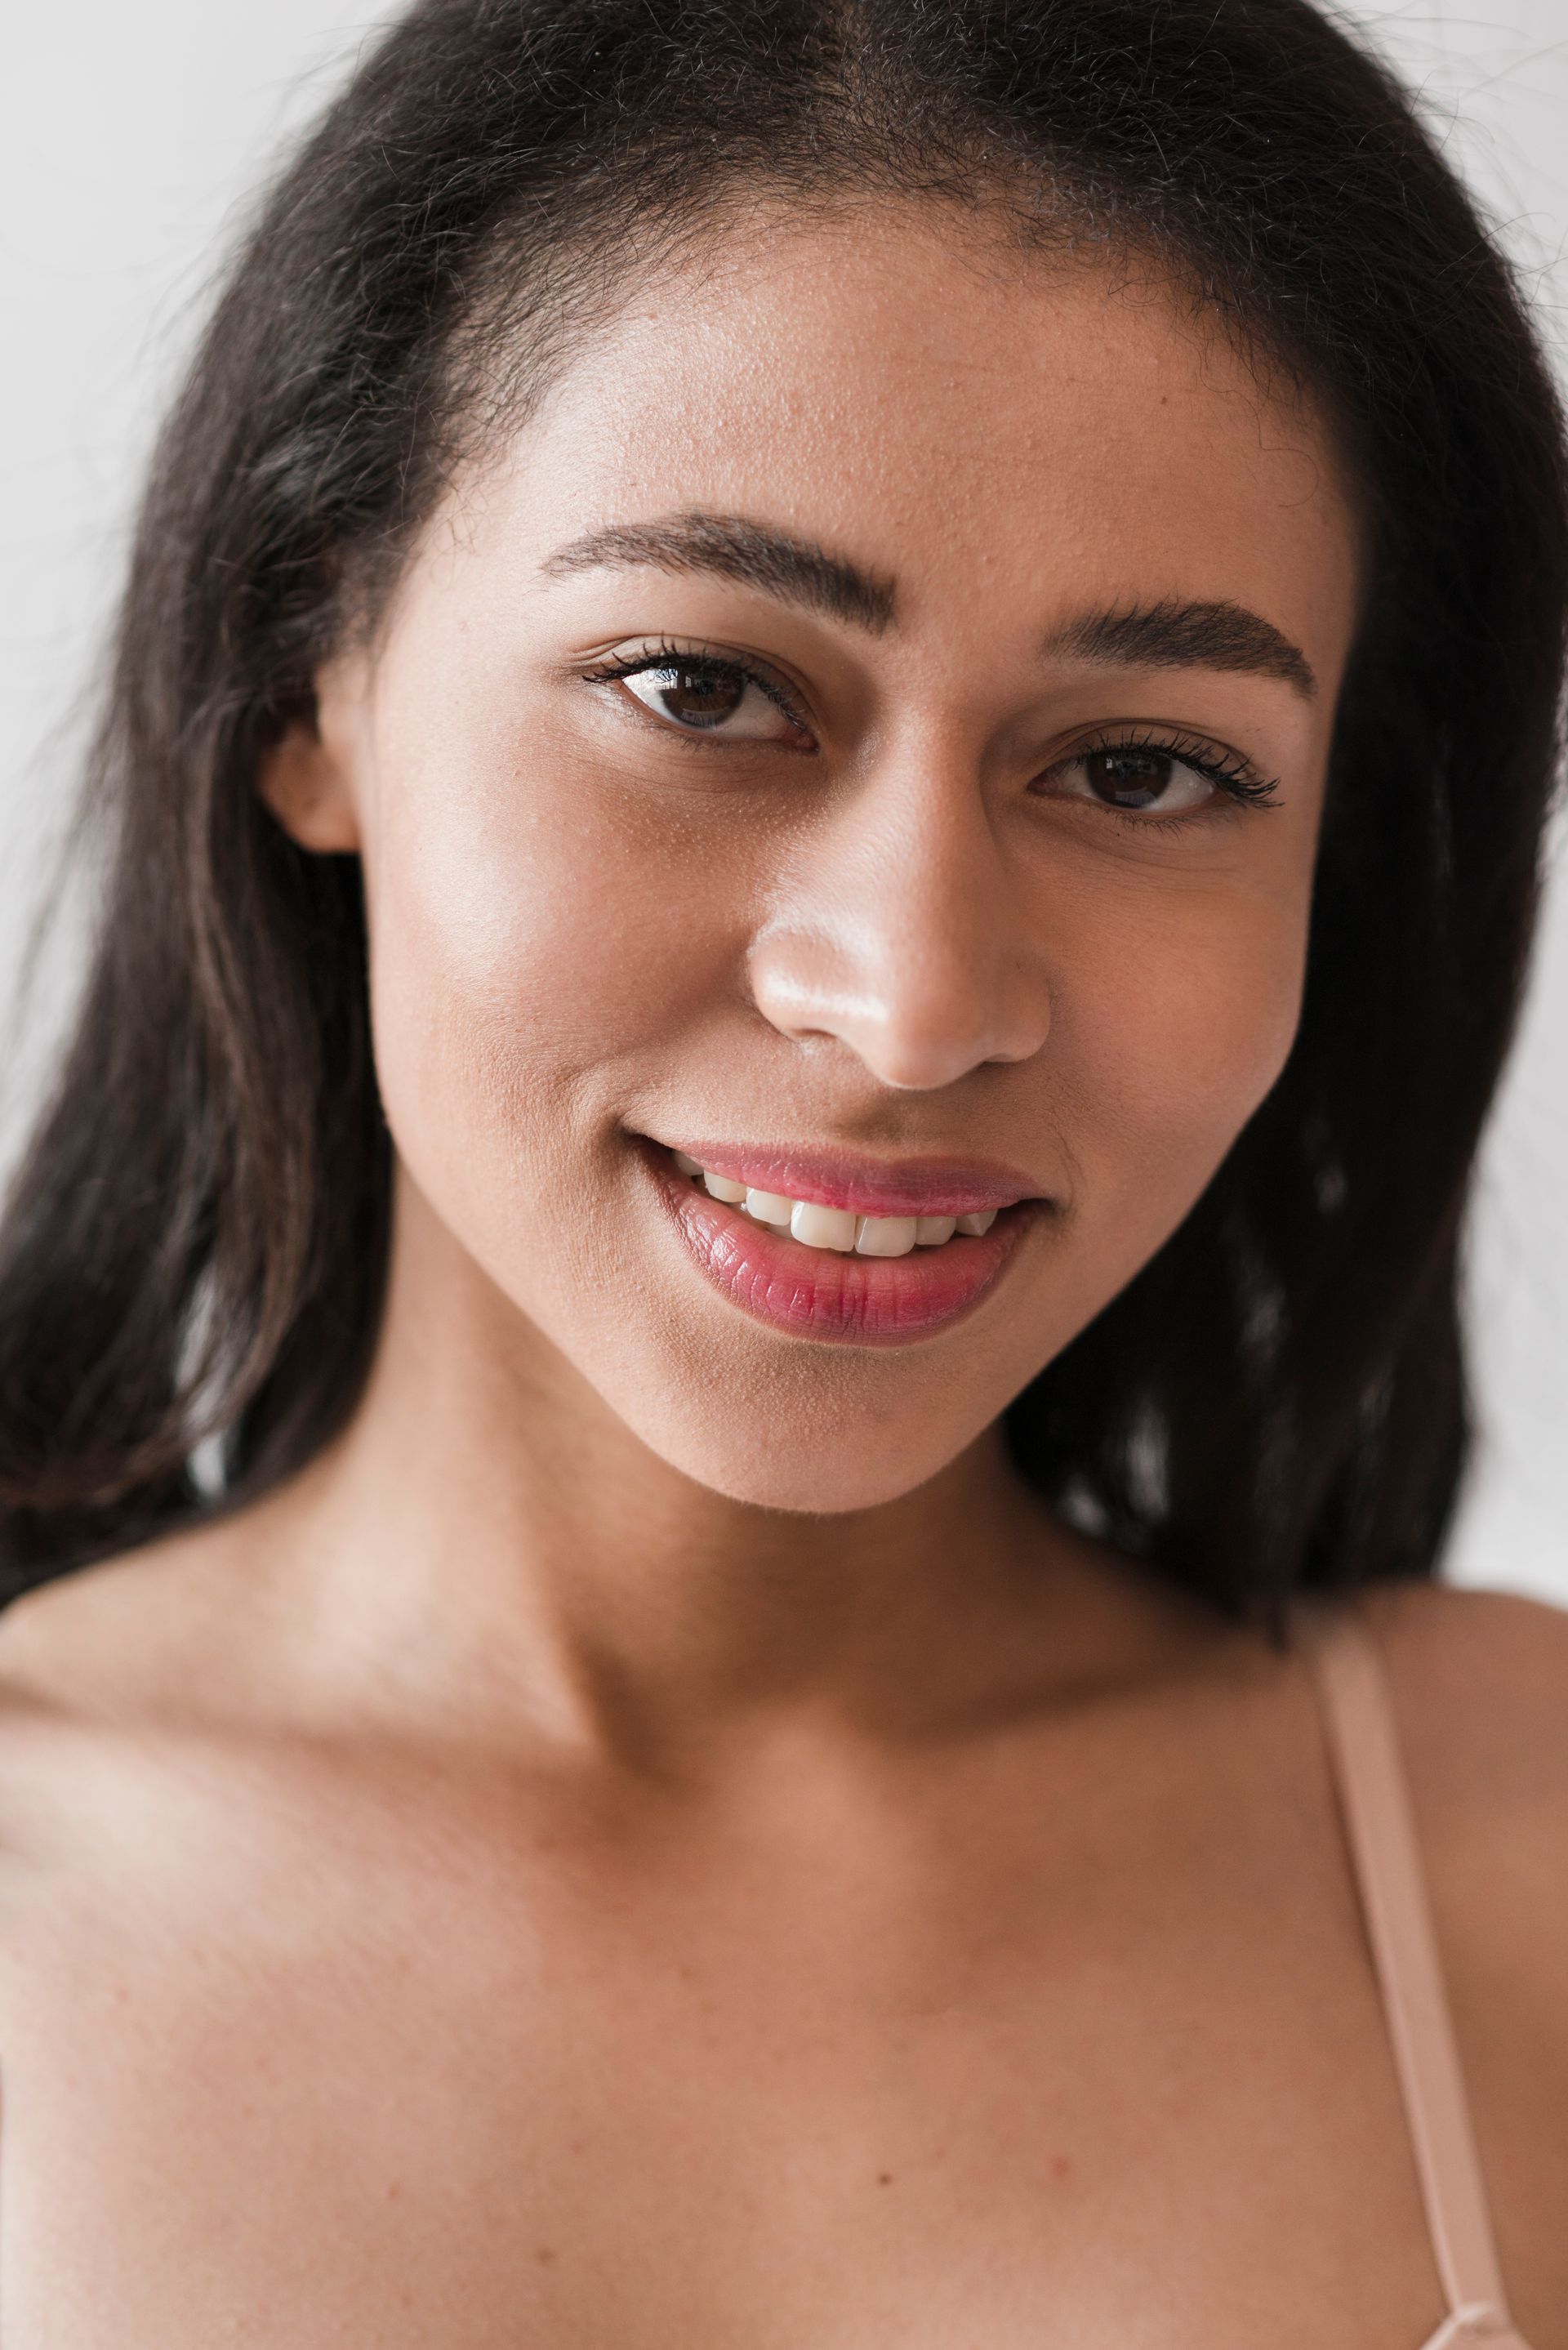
x=902 y=933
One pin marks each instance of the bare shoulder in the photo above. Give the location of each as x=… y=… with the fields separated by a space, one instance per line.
x=92 y=1664
x=1480 y=1685
x=132 y=1708
x=131 y=1640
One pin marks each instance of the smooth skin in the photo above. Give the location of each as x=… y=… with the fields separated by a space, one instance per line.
x=655 y=1839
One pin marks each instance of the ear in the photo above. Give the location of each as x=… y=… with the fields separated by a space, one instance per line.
x=303 y=781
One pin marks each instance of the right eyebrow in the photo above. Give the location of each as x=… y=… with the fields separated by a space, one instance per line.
x=729 y=546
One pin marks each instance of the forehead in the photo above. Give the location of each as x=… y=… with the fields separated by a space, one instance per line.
x=948 y=410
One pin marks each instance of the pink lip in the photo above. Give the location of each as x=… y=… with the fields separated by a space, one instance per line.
x=867 y=1187
x=817 y=1293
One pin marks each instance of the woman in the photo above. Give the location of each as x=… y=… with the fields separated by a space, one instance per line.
x=730 y=1377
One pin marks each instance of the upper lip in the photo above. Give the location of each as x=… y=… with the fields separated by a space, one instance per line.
x=923 y=1186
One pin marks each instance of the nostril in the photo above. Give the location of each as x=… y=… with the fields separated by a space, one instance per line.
x=920 y=1004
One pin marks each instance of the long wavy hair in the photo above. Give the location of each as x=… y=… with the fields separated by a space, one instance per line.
x=193 y=1257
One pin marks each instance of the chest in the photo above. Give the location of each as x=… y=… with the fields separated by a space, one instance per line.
x=371 y=2084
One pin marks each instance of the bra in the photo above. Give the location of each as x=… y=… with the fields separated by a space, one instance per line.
x=1369 y=1778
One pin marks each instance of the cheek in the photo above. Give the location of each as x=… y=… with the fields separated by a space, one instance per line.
x=526 y=946
x=1182 y=1035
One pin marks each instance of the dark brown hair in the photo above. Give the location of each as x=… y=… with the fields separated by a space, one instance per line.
x=192 y=1263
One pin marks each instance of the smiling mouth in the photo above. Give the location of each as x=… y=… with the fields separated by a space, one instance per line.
x=838 y=1230
x=882 y=1254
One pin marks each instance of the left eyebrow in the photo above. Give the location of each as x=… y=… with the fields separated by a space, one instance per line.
x=1175 y=635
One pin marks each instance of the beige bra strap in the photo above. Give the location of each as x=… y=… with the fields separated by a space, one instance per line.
x=1372 y=1794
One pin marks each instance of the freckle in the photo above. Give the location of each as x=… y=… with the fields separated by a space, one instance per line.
x=884 y=2179
x=1060 y=2165
x=545 y=2255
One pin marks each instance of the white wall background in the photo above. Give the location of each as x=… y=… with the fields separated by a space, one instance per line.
x=129 y=139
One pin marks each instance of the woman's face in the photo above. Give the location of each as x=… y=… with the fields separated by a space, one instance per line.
x=868 y=735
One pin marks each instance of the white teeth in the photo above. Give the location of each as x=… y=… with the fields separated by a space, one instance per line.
x=884 y=1237
x=769 y=1206
x=823 y=1228
x=975 y=1226
x=839 y=1228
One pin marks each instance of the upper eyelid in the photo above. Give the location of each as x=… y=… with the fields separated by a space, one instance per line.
x=1203 y=752
x=653 y=654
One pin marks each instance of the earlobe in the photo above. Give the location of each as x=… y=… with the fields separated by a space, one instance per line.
x=301 y=780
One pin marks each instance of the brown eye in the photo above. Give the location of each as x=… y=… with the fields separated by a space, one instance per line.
x=708 y=697
x=693 y=694
x=1137 y=778
x=1132 y=779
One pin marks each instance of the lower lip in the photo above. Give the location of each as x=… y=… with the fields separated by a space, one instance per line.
x=819 y=1294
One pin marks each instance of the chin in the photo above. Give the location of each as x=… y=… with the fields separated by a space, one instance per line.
x=859 y=1463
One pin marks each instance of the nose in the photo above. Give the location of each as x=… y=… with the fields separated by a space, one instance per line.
x=904 y=931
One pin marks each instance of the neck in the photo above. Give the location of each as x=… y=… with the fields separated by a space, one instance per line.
x=489 y=1544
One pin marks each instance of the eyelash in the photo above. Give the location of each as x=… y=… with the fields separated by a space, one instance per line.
x=1228 y=772
x=664 y=655
x=1240 y=781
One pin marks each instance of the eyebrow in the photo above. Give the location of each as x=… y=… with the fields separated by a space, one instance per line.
x=795 y=570
x=1175 y=635
x=1170 y=634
